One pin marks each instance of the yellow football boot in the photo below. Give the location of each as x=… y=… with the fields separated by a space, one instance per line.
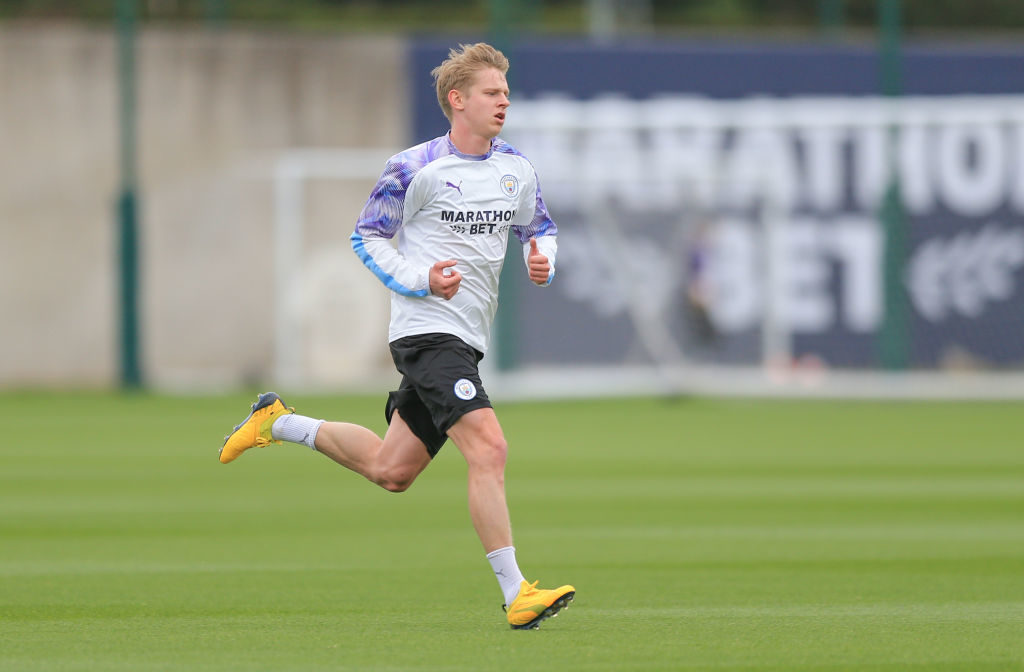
x=533 y=605
x=254 y=431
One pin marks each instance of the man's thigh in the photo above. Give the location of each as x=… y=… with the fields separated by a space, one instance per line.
x=402 y=451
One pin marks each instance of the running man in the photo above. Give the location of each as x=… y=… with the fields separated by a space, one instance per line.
x=452 y=202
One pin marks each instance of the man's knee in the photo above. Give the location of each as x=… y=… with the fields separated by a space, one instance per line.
x=497 y=452
x=394 y=480
x=488 y=454
x=400 y=460
x=396 y=486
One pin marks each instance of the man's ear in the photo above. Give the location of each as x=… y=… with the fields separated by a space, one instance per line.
x=455 y=99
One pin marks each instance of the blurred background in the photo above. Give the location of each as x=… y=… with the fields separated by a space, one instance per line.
x=817 y=197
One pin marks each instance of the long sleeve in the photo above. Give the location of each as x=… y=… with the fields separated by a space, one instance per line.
x=540 y=227
x=390 y=267
x=380 y=220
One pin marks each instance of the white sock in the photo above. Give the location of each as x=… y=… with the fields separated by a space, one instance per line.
x=296 y=429
x=506 y=570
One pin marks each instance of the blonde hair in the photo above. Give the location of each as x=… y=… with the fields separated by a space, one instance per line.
x=457 y=71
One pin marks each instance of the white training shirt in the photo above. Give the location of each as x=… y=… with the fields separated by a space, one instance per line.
x=443 y=204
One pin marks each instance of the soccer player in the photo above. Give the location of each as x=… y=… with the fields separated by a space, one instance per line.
x=452 y=202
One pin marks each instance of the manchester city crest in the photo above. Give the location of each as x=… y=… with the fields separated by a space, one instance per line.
x=510 y=185
x=465 y=389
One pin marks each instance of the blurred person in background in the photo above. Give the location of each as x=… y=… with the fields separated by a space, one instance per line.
x=698 y=283
x=452 y=202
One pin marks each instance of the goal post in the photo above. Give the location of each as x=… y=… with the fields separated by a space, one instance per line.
x=358 y=326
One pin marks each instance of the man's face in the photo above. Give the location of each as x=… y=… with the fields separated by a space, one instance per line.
x=485 y=103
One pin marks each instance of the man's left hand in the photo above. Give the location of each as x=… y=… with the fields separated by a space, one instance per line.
x=538 y=264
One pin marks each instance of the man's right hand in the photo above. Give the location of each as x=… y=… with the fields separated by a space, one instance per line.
x=444 y=284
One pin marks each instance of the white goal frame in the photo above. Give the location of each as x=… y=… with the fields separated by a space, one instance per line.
x=292 y=171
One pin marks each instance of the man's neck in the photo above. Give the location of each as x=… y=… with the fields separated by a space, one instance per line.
x=467 y=143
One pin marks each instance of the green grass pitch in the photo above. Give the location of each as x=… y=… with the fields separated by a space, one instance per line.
x=700 y=535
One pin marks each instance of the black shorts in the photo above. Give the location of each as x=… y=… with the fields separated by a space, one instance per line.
x=440 y=384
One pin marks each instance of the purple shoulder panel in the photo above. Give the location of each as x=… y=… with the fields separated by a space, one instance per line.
x=541 y=224
x=383 y=212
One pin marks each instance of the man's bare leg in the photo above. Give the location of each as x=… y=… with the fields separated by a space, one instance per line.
x=393 y=462
x=481 y=441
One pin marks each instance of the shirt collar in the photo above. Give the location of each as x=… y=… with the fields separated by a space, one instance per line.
x=468 y=157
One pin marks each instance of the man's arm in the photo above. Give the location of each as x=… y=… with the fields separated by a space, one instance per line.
x=378 y=223
x=390 y=267
x=539 y=239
